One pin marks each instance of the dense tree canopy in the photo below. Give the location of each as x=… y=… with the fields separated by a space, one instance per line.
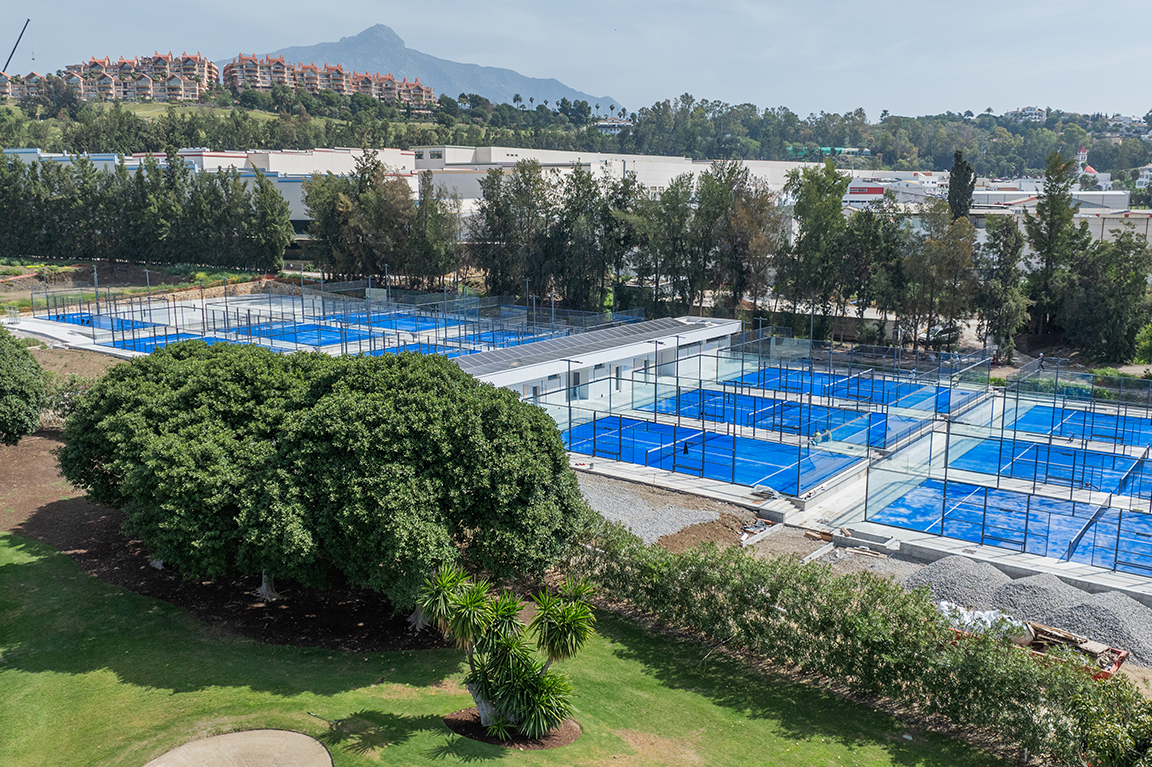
x=684 y=126
x=368 y=224
x=23 y=393
x=232 y=459
x=159 y=214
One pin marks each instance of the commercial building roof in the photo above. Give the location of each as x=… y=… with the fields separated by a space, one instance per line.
x=558 y=349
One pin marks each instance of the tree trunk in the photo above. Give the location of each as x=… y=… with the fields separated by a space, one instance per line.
x=267 y=590
x=487 y=709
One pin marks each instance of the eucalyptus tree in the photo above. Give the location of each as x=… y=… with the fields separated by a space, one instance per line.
x=1001 y=303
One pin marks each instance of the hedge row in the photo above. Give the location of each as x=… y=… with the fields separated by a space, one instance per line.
x=867 y=633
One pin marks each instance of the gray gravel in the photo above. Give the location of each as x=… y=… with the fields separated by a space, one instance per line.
x=1114 y=619
x=1038 y=598
x=1110 y=617
x=960 y=580
x=649 y=513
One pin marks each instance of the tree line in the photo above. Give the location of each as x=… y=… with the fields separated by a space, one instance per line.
x=159 y=213
x=367 y=223
x=701 y=129
x=935 y=274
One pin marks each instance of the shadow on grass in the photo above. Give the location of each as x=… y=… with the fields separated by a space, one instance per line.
x=465 y=750
x=801 y=712
x=58 y=619
x=366 y=731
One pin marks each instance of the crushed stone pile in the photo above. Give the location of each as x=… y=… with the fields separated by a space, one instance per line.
x=1115 y=619
x=1037 y=598
x=961 y=581
x=1109 y=617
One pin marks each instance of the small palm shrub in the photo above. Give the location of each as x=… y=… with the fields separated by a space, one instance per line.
x=514 y=689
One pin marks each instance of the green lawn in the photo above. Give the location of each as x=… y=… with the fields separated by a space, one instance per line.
x=93 y=675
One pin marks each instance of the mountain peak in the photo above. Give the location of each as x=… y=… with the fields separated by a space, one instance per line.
x=379 y=49
x=381 y=34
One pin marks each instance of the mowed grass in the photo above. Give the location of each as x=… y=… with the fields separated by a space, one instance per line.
x=93 y=675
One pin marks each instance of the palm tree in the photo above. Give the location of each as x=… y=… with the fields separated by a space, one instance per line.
x=531 y=100
x=564 y=622
x=517 y=101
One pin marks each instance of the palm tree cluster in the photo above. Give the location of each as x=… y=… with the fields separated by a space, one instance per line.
x=513 y=687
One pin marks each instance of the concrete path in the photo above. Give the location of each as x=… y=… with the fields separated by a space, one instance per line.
x=252 y=748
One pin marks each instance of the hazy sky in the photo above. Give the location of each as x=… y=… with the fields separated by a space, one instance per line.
x=911 y=57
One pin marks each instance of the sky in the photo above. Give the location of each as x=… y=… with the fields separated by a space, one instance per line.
x=911 y=57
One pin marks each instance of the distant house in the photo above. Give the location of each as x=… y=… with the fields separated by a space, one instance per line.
x=612 y=125
x=1028 y=114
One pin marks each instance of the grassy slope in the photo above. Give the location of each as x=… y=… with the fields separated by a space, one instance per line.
x=93 y=675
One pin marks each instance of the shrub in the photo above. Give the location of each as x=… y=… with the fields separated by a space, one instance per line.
x=861 y=630
x=23 y=394
x=511 y=686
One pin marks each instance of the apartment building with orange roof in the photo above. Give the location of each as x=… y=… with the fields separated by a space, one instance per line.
x=245 y=72
x=159 y=77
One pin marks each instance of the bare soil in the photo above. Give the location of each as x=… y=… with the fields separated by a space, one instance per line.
x=73 y=361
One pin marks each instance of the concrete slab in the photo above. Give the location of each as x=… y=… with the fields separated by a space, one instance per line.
x=251 y=748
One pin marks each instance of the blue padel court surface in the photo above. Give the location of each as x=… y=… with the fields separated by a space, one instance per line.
x=707 y=454
x=1083 y=424
x=307 y=333
x=150 y=343
x=1080 y=532
x=506 y=338
x=410 y=323
x=1053 y=465
x=812 y=421
x=100 y=321
x=863 y=387
x=419 y=348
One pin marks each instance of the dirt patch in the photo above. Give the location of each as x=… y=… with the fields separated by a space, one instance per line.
x=67 y=362
x=466 y=722
x=724 y=532
x=653 y=749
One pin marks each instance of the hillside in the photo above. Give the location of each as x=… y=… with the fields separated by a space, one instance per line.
x=380 y=49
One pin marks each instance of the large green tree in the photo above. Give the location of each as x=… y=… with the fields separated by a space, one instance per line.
x=1000 y=300
x=961 y=184
x=1106 y=296
x=813 y=272
x=232 y=459
x=1055 y=239
x=23 y=394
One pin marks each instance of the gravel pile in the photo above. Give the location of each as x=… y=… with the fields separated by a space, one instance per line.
x=1039 y=598
x=960 y=580
x=1115 y=619
x=644 y=513
x=1109 y=617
